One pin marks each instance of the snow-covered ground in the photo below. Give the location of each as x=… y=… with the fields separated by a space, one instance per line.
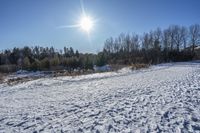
x=26 y=74
x=163 y=98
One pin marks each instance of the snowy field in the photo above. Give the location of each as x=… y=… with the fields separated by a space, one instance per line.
x=163 y=98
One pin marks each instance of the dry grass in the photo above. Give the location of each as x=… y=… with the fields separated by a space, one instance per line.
x=18 y=80
x=139 y=66
x=72 y=73
x=115 y=67
x=15 y=81
x=2 y=76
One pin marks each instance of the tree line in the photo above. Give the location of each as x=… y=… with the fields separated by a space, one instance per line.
x=175 y=43
x=40 y=58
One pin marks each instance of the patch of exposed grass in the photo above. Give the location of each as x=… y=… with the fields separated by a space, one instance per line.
x=2 y=76
x=139 y=66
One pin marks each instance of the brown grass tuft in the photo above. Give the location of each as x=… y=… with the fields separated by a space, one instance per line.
x=139 y=66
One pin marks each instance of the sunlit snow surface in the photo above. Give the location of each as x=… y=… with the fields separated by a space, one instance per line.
x=163 y=98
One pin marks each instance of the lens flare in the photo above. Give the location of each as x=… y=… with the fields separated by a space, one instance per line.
x=86 y=23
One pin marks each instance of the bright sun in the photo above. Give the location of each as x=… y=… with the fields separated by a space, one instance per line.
x=86 y=23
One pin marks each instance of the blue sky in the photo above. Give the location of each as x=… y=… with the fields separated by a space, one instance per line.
x=36 y=22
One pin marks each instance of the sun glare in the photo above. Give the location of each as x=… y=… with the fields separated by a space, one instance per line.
x=86 y=23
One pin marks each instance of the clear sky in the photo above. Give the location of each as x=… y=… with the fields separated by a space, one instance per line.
x=36 y=22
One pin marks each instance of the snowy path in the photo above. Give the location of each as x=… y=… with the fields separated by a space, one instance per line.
x=164 y=98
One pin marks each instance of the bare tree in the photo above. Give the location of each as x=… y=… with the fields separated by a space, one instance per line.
x=184 y=33
x=116 y=45
x=157 y=38
x=127 y=43
x=134 y=42
x=108 y=45
x=145 y=41
x=172 y=36
x=166 y=39
x=179 y=37
x=194 y=35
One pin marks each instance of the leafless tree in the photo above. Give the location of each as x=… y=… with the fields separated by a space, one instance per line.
x=108 y=45
x=194 y=35
x=184 y=33
x=134 y=42
x=166 y=39
x=157 y=35
x=145 y=41
x=172 y=36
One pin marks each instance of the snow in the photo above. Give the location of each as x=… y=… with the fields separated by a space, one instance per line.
x=163 y=98
x=196 y=48
x=102 y=68
x=26 y=74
